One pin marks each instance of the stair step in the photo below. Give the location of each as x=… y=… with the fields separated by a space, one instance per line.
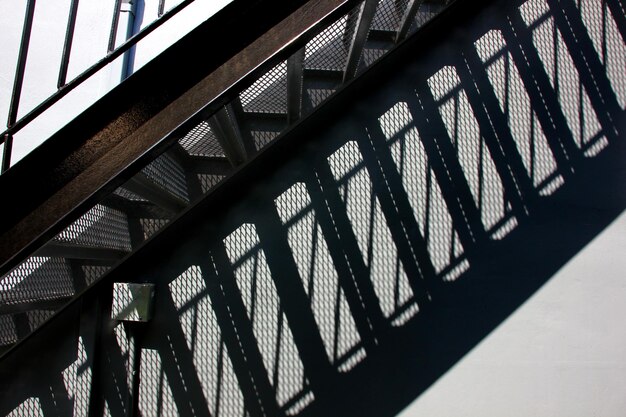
x=323 y=75
x=135 y=208
x=72 y=251
x=277 y=117
x=41 y=304
x=180 y=156
x=380 y=35
x=210 y=165
x=143 y=186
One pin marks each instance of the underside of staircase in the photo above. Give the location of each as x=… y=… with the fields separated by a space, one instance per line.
x=208 y=151
x=312 y=225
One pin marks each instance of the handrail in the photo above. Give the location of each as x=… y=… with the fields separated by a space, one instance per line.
x=14 y=125
x=127 y=128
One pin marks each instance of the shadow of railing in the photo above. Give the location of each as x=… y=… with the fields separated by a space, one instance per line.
x=359 y=269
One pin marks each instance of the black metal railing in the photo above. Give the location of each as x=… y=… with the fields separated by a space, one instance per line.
x=15 y=124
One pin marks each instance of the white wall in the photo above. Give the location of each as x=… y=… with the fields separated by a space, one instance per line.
x=562 y=353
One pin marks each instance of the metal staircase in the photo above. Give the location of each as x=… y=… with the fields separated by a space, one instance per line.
x=202 y=157
x=321 y=223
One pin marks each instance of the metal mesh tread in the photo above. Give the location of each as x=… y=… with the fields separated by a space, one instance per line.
x=201 y=141
x=269 y=93
x=39 y=278
x=389 y=14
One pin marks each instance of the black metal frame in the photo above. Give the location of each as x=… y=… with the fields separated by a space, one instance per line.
x=242 y=181
x=87 y=159
x=67 y=46
x=63 y=87
x=7 y=136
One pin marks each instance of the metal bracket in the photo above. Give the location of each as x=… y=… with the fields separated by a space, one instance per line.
x=132 y=302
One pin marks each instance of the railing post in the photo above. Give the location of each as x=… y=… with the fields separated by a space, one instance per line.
x=407 y=19
x=18 y=82
x=362 y=25
x=6 y=152
x=116 y=20
x=67 y=46
x=21 y=63
x=295 y=65
x=161 y=7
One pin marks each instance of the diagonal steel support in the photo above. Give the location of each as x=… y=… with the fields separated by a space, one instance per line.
x=362 y=24
x=239 y=117
x=140 y=184
x=407 y=19
x=178 y=153
x=295 y=65
x=229 y=136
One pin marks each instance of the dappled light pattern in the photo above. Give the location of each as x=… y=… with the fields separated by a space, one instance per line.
x=121 y=376
x=77 y=380
x=31 y=407
x=375 y=242
x=472 y=152
x=420 y=183
x=529 y=137
x=204 y=339
x=319 y=278
x=270 y=325
x=155 y=392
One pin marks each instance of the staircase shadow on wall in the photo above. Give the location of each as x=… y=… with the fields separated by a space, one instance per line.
x=361 y=269
x=340 y=219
